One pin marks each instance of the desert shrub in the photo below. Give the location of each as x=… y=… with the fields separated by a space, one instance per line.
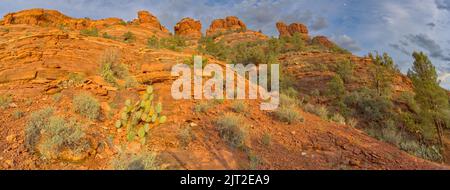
x=62 y=135
x=190 y=61
x=174 y=43
x=391 y=134
x=202 y=107
x=90 y=32
x=287 y=111
x=108 y=36
x=297 y=42
x=293 y=43
x=423 y=151
x=28 y=102
x=318 y=110
x=352 y=122
x=131 y=82
x=38 y=120
x=254 y=161
x=231 y=129
x=266 y=139
x=141 y=161
x=239 y=106
x=370 y=106
x=338 y=118
x=86 y=105
x=338 y=49
x=288 y=84
x=315 y=93
x=288 y=114
x=345 y=70
x=76 y=78
x=123 y=23
x=153 y=42
x=336 y=88
x=408 y=99
x=5 y=100
x=128 y=37
x=107 y=73
x=286 y=100
x=218 y=50
x=18 y=114
x=111 y=69
x=248 y=53
x=186 y=136
x=56 y=97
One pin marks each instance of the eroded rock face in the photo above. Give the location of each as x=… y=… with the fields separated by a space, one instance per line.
x=42 y=17
x=323 y=41
x=35 y=17
x=189 y=28
x=146 y=19
x=288 y=31
x=230 y=23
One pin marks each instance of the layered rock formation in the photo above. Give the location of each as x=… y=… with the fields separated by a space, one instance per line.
x=42 y=17
x=189 y=28
x=146 y=19
x=323 y=41
x=288 y=31
x=230 y=23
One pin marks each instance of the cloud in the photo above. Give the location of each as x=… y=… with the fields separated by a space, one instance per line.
x=445 y=80
x=425 y=42
x=319 y=24
x=443 y=4
x=400 y=48
x=347 y=43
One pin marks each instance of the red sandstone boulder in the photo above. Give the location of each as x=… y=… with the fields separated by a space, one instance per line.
x=148 y=20
x=42 y=17
x=288 y=31
x=230 y=23
x=323 y=41
x=189 y=28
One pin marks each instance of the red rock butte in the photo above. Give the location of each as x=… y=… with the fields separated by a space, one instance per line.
x=230 y=23
x=288 y=31
x=189 y=28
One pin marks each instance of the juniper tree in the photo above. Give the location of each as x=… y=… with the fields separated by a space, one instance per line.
x=432 y=99
x=382 y=72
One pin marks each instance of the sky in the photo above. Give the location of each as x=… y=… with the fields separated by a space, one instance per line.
x=397 y=27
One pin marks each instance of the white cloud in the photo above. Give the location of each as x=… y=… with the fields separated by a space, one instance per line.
x=347 y=42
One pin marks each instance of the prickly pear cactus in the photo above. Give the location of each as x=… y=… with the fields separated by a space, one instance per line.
x=140 y=117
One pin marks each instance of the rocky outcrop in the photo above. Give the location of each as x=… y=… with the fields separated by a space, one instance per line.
x=288 y=31
x=35 y=17
x=230 y=23
x=323 y=41
x=43 y=17
x=146 y=19
x=189 y=28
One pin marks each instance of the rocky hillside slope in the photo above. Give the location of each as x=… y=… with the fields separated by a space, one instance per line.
x=47 y=59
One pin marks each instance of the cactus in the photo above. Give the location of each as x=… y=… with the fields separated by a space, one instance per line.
x=150 y=89
x=118 y=124
x=141 y=132
x=139 y=117
x=158 y=107
x=162 y=119
x=147 y=127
